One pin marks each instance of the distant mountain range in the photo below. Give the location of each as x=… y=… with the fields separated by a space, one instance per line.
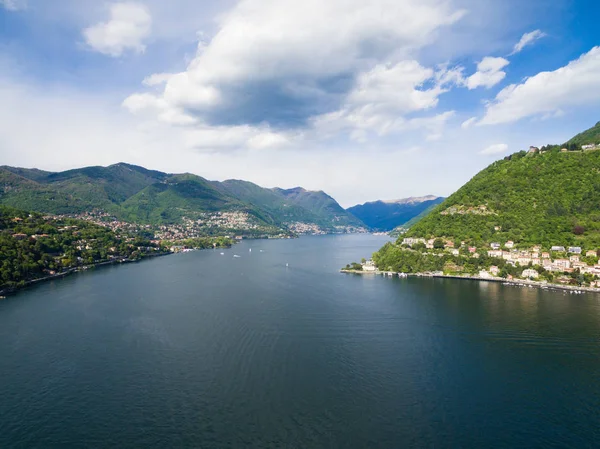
x=133 y=193
x=387 y=215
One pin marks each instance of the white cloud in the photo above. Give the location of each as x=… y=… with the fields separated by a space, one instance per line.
x=384 y=95
x=489 y=73
x=548 y=93
x=13 y=5
x=127 y=29
x=527 y=39
x=495 y=149
x=468 y=123
x=305 y=56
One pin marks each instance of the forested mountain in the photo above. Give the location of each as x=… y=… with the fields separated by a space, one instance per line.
x=135 y=194
x=588 y=137
x=387 y=215
x=319 y=204
x=547 y=198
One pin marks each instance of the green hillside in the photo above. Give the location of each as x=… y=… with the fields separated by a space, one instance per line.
x=319 y=204
x=548 y=199
x=135 y=194
x=288 y=206
x=590 y=136
x=33 y=247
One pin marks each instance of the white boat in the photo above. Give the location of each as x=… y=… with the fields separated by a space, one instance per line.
x=250 y=250
x=235 y=255
x=222 y=254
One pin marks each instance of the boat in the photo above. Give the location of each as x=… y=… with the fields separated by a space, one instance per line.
x=250 y=250
x=222 y=254
x=235 y=255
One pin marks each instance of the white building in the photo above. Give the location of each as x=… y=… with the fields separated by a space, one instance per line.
x=509 y=244
x=369 y=265
x=411 y=241
x=530 y=273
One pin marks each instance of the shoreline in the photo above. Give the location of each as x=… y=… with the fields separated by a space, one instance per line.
x=517 y=282
x=12 y=290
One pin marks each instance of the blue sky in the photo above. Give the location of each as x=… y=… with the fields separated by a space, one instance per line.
x=365 y=100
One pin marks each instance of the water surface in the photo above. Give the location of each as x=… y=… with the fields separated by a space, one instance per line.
x=210 y=351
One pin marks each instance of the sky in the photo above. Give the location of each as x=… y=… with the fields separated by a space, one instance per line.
x=365 y=100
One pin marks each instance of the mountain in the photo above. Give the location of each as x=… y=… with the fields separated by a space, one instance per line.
x=320 y=204
x=587 y=137
x=550 y=198
x=136 y=194
x=387 y=215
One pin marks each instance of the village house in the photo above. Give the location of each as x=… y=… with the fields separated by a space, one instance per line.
x=412 y=241
x=591 y=253
x=575 y=249
x=19 y=236
x=547 y=264
x=558 y=249
x=495 y=245
x=494 y=270
x=536 y=248
x=429 y=244
x=530 y=273
x=523 y=261
x=533 y=149
x=448 y=244
x=536 y=261
x=509 y=244
x=494 y=253
x=484 y=274
x=574 y=258
x=369 y=265
x=454 y=251
x=561 y=264
x=545 y=255
x=588 y=147
x=472 y=249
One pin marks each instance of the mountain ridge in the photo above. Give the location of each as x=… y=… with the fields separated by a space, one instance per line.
x=386 y=215
x=134 y=193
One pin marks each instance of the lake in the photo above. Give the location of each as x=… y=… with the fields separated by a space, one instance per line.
x=207 y=350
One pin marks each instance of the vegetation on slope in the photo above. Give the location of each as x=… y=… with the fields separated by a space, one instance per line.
x=587 y=137
x=33 y=247
x=547 y=199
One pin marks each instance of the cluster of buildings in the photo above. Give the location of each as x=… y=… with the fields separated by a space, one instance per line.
x=558 y=259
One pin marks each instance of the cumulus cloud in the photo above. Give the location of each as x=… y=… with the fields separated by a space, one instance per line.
x=527 y=39
x=13 y=5
x=494 y=149
x=549 y=93
x=127 y=29
x=489 y=73
x=283 y=62
x=385 y=95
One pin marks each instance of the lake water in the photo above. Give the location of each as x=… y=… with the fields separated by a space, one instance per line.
x=206 y=350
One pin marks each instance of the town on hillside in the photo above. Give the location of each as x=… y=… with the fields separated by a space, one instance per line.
x=441 y=257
